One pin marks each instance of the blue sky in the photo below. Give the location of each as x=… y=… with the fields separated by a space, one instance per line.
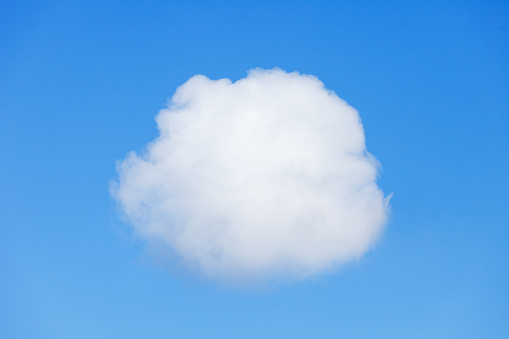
x=81 y=82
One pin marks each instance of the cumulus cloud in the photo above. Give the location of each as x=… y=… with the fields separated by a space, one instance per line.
x=264 y=177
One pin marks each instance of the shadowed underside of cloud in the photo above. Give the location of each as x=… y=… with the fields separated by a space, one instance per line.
x=261 y=178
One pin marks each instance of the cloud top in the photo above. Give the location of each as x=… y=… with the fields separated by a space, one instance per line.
x=264 y=177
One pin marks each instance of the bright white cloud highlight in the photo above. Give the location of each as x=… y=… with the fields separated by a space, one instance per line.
x=264 y=177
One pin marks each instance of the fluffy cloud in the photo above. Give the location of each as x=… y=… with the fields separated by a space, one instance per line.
x=264 y=177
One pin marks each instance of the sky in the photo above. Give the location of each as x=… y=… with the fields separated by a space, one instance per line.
x=82 y=82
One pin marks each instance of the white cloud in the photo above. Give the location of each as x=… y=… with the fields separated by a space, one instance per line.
x=265 y=177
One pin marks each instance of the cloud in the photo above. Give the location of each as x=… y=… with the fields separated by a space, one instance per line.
x=262 y=178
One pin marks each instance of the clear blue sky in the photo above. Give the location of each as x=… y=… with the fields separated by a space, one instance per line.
x=80 y=84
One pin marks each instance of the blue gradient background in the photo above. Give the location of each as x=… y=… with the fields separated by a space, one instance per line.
x=80 y=84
